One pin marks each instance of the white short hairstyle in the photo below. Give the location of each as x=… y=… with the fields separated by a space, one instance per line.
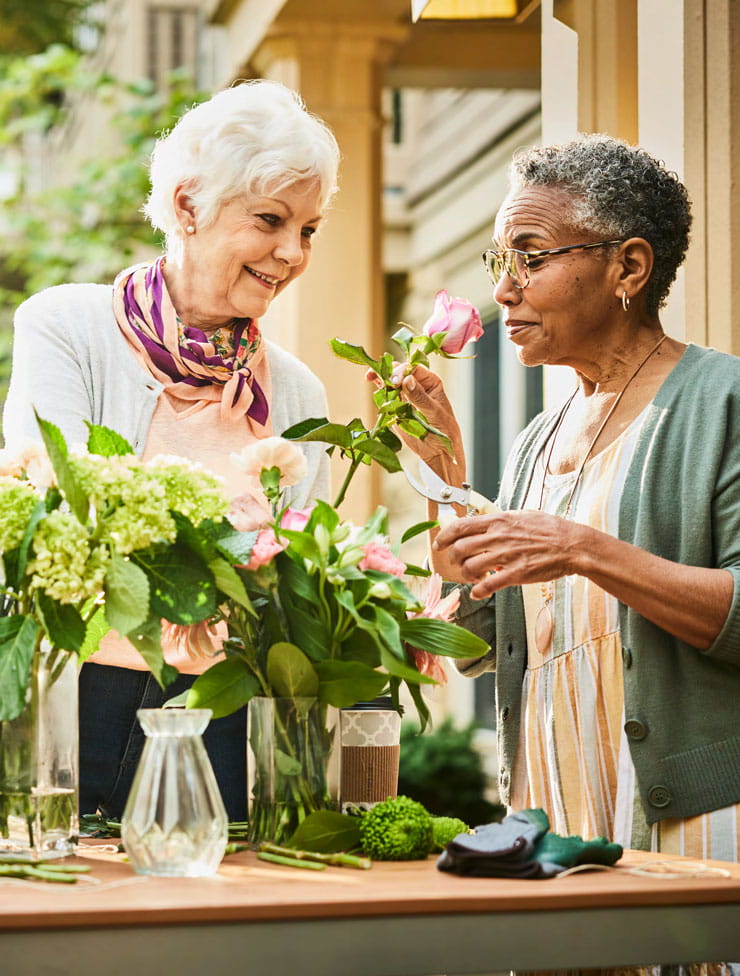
x=255 y=137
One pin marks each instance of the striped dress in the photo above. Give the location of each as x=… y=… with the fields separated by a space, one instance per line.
x=574 y=761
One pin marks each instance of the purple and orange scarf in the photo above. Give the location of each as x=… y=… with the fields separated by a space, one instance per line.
x=229 y=364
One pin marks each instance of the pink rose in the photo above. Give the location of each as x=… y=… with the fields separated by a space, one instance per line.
x=295 y=519
x=264 y=550
x=457 y=318
x=380 y=557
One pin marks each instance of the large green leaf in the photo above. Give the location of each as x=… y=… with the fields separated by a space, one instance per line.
x=230 y=583
x=290 y=672
x=126 y=594
x=106 y=442
x=56 y=448
x=17 y=560
x=182 y=589
x=385 y=456
x=353 y=353
x=326 y=433
x=147 y=639
x=237 y=546
x=439 y=637
x=417 y=529
x=400 y=669
x=223 y=688
x=345 y=682
x=326 y=832
x=18 y=636
x=62 y=622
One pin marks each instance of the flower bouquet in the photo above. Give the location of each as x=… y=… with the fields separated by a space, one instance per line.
x=324 y=618
x=88 y=542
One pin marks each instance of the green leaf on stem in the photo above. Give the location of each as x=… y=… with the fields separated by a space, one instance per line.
x=15 y=568
x=390 y=440
x=379 y=452
x=62 y=623
x=286 y=764
x=96 y=629
x=326 y=832
x=224 y=688
x=440 y=637
x=402 y=670
x=417 y=529
x=230 y=583
x=147 y=639
x=336 y=434
x=355 y=354
x=56 y=448
x=345 y=682
x=18 y=635
x=290 y=672
x=237 y=546
x=182 y=588
x=403 y=338
x=126 y=594
x=106 y=442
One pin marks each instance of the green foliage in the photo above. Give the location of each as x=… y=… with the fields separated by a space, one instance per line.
x=28 y=26
x=398 y=829
x=87 y=226
x=444 y=772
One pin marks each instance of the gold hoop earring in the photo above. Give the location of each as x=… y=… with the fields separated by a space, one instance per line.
x=625 y=301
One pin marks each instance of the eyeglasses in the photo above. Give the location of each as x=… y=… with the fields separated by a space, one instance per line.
x=519 y=264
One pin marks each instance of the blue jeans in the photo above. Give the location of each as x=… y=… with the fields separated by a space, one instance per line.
x=111 y=739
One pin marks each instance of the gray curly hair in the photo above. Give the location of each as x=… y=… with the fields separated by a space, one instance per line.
x=617 y=191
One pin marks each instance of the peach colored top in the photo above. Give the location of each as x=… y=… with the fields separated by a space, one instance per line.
x=205 y=436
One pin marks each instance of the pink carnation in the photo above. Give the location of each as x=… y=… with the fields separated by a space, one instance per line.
x=457 y=318
x=380 y=558
x=295 y=519
x=264 y=550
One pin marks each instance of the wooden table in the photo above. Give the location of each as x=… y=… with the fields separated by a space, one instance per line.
x=404 y=919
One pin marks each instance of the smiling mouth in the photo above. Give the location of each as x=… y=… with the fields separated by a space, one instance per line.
x=268 y=279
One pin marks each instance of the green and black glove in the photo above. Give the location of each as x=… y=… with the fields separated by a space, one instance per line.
x=521 y=846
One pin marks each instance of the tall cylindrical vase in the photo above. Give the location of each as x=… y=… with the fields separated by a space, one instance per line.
x=293 y=764
x=39 y=763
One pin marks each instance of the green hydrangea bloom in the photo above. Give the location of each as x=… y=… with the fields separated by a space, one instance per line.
x=398 y=829
x=17 y=501
x=132 y=509
x=190 y=489
x=63 y=565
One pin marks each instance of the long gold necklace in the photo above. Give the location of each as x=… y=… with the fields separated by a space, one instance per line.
x=544 y=621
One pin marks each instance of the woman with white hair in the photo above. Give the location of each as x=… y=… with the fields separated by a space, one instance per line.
x=172 y=357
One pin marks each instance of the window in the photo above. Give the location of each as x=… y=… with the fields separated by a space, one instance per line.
x=172 y=41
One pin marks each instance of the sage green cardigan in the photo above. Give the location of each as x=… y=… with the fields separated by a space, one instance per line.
x=681 y=501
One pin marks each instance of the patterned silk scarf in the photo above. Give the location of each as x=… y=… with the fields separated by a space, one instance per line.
x=229 y=364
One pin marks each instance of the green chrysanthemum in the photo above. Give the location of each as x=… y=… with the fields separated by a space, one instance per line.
x=63 y=564
x=17 y=501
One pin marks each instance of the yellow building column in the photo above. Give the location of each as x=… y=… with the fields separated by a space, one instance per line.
x=337 y=68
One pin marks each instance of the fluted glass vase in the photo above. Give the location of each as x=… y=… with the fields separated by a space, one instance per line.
x=174 y=823
x=39 y=763
x=293 y=764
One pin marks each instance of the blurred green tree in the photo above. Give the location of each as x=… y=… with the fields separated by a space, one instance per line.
x=90 y=226
x=30 y=26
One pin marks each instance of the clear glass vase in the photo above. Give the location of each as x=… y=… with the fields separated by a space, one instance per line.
x=39 y=763
x=174 y=823
x=293 y=764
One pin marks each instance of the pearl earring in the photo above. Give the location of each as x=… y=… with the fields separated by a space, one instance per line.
x=190 y=229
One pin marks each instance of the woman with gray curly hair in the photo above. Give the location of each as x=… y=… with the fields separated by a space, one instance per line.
x=607 y=577
x=172 y=357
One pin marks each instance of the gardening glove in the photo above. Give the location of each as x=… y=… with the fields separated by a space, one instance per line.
x=522 y=847
x=500 y=850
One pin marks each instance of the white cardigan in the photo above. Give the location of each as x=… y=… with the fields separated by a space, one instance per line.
x=72 y=363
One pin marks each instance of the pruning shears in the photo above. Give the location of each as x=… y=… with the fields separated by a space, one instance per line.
x=437 y=490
